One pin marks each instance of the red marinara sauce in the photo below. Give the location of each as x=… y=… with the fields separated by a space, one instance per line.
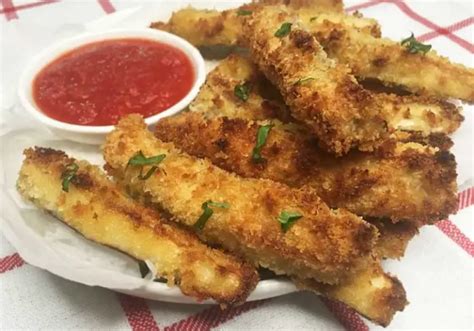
x=98 y=83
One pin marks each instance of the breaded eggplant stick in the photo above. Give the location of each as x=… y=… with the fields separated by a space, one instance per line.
x=392 y=63
x=372 y=293
x=407 y=181
x=324 y=244
x=411 y=117
x=96 y=208
x=215 y=140
x=207 y=28
x=320 y=93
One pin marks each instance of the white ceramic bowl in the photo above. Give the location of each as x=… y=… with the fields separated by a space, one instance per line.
x=95 y=134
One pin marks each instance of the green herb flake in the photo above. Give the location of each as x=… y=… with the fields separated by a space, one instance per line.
x=314 y=18
x=141 y=160
x=68 y=175
x=287 y=218
x=304 y=80
x=414 y=46
x=284 y=30
x=244 y=12
x=207 y=212
x=262 y=135
x=242 y=91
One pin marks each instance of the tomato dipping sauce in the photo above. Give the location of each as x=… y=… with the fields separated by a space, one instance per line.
x=98 y=83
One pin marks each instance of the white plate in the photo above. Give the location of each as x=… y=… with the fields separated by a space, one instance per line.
x=47 y=243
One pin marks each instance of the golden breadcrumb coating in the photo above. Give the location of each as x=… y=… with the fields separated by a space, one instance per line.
x=392 y=63
x=406 y=181
x=326 y=245
x=207 y=28
x=372 y=293
x=410 y=117
x=97 y=209
x=329 y=5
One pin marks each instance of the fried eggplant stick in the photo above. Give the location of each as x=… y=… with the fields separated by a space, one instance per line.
x=423 y=119
x=324 y=244
x=372 y=293
x=320 y=93
x=207 y=28
x=393 y=63
x=97 y=209
x=407 y=182
x=247 y=226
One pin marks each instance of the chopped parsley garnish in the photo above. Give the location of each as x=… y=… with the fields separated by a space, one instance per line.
x=314 y=18
x=207 y=212
x=262 y=135
x=68 y=175
x=303 y=80
x=284 y=30
x=242 y=91
x=244 y=12
x=141 y=160
x=414 y=46
x=287 y=218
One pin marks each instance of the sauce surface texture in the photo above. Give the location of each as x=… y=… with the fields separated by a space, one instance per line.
x=98 y=83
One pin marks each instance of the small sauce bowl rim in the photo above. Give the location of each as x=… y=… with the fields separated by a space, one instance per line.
x=40 y=61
